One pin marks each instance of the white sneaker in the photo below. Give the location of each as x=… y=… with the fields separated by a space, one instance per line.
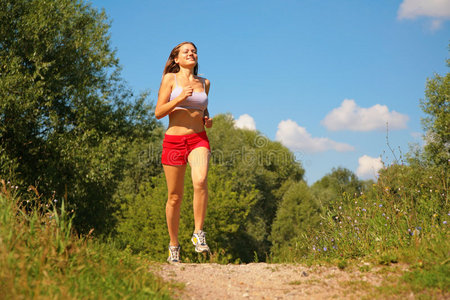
x=199 y=241
x=174 y=254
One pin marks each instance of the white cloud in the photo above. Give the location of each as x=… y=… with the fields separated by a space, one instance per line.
x=297 y=138
x=368 y=167
x=411 y=9
x=438 y=10
x=245 y=122
x=349 y=116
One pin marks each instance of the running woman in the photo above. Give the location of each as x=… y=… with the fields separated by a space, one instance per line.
x=183 y=95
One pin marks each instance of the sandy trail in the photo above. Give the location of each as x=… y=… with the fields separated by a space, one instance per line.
x=273 y=281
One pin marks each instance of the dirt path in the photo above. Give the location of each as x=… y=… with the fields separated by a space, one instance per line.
x=273 y=281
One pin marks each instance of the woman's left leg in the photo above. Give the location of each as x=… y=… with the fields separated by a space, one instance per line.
x=199 y=162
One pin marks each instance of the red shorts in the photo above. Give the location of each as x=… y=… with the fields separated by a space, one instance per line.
x=176 y=148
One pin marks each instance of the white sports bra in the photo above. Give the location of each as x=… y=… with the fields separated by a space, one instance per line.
x=198 y=100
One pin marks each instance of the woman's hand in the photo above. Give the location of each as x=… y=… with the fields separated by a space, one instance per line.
x=207 y=121
x=187 y=92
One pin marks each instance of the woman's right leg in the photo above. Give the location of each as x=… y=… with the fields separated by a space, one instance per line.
x=175 y=188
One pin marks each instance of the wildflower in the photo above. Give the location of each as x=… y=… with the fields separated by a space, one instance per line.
x=55 y=200
x=387 y=218
x=336 y=217
x=340 y=207
x=325 y=249
x=445 y=222
x=383 y=214
x=381 y=205
x=363 y=209
x=314 y=248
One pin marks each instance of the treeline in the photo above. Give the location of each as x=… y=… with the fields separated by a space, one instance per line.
x=71 y=128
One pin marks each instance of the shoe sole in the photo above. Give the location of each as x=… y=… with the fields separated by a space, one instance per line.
x=201 y=251
x=173 y=262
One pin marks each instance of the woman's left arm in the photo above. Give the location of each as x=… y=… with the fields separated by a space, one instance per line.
x=206 y=119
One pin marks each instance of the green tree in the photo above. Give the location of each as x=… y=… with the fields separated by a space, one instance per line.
x=296 y=215
x=66 y=117
x=337 y=184
x=437 y=123
x=252 y=159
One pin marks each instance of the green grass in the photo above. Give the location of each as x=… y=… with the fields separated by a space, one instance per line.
x=436 y=276
x=41 y=258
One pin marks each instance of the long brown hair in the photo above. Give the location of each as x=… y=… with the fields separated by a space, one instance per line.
x=171 y=65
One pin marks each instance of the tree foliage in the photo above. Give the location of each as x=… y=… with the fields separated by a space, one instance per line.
x=299 y=211
x=437 y=123
x=66 y=117
x=254 y=160
x=339 y=182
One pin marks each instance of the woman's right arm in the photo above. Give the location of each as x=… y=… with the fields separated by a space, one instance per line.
x=164 y=106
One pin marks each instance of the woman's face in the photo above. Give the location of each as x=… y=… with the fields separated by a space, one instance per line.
x=187 y=57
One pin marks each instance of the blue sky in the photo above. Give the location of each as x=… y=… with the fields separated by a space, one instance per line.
x=322 y=77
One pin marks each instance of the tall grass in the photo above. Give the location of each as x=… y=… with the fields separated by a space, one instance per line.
x=404 y=218
x=40 y=257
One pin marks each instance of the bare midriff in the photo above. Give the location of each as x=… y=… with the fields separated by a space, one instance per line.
x=185 y=121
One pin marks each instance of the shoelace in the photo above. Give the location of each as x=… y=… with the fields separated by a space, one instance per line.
x=201 y=237
x=175 y=253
